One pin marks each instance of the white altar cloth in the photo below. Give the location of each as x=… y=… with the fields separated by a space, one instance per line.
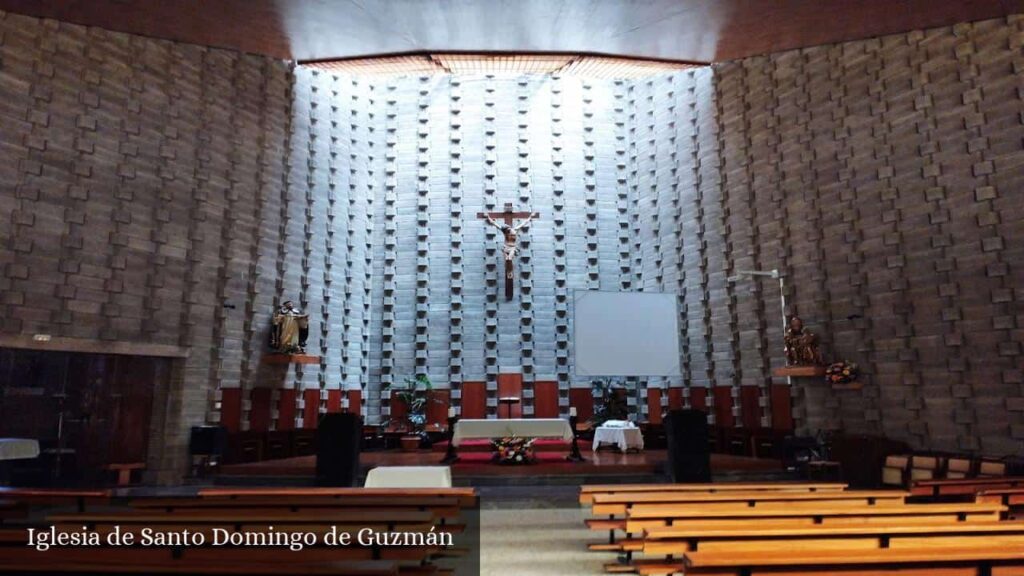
x=18 y=448
x=409 y=477
x=625 y=438
x=521 y=428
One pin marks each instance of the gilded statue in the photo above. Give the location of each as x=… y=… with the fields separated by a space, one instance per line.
x=802 y=347
x=289 y=330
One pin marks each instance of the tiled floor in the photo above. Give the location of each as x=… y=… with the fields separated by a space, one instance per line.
x=550 y=541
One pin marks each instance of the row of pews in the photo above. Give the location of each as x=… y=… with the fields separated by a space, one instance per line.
x=319 y=511
x=750 y=529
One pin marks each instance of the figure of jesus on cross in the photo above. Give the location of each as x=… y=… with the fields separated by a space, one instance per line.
x=510 y=233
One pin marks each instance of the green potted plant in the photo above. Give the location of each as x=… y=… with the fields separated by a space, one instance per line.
x=612 y=403
x=415 y=393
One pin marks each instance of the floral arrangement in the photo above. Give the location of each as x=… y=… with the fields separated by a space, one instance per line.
x=514 y=450
x=841 y=373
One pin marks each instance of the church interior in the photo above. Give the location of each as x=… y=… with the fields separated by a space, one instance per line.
x=566 y=287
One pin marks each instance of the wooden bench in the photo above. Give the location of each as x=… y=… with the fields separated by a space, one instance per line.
x=644 y=517
x=587 y=492
x=466 y=497
x=677 y=541
x=964 y=487
x=974 y=559
x=1007 y=497
x=697 y=518
x=619 y=504
x=78 y=498
x=614 y=508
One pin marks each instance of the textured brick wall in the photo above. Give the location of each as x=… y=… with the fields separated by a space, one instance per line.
x=884 y=179
x=162 y=193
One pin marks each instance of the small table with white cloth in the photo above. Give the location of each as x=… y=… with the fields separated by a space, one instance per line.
x=18 y=448
x=621 y=433
x=15 y=449
x=409 y=477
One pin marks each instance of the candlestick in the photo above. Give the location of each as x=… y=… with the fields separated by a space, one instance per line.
x=572 y=411
x=451 y=412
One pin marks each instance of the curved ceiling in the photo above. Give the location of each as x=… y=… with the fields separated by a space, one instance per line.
x=685 y=30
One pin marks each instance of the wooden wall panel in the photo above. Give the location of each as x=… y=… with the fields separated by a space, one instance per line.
x=474 y=400
x=259 y=411
x=510 y=385
x=723 y=406
x=355 y=400
x=583 y=400
x=750 y=408
x=699 y=398
x=675 y=398
x=437 y=407
x=333 y=401
x=545 y=399
x=654 y=405
x=231 y=409
x=311 y=408
x=286 y=409
x=782 y=407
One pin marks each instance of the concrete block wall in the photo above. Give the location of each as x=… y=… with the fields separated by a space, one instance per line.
x=883 y=179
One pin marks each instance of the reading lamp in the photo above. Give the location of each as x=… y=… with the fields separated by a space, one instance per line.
x=774 y=273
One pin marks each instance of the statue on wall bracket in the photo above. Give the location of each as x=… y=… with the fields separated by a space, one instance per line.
x=289 y=329
x=802 y=346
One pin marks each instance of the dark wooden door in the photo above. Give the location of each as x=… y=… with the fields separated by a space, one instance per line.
x=87 y=410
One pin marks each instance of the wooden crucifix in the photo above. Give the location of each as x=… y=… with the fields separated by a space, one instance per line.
x=510 y=231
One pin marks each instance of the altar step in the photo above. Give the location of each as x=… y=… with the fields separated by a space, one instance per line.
x=539 y=445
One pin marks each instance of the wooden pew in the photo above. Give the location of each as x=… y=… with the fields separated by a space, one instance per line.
x=974 y=559
x=587 y=492
x=964 y=487
x=619 y=504
x=466 y=497
x=1008 y=497
x=680 y=540
x=166 y=561
x=614 y=508
x=644 y=517
x=40 y=496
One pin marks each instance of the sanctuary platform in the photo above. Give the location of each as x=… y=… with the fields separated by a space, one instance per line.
x=477 y=468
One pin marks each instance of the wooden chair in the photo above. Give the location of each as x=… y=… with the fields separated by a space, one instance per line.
x=925 y=467
x=959 y=468
x=991 y=468
x=894 y=473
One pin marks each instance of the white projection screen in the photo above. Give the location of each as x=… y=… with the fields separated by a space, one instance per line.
x=625 y=334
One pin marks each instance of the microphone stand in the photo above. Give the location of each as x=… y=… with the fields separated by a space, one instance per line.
x=450 y=455
x=574 y=451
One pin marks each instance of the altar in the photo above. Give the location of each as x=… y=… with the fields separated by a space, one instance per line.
x=520 y=428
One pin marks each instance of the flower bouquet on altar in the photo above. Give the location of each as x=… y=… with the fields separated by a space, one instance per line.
x=841 y=373
x=513 y=450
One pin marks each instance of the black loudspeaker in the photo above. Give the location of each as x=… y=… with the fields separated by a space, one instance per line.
x=689 y=451
x=337 y=449
x=207 y=440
